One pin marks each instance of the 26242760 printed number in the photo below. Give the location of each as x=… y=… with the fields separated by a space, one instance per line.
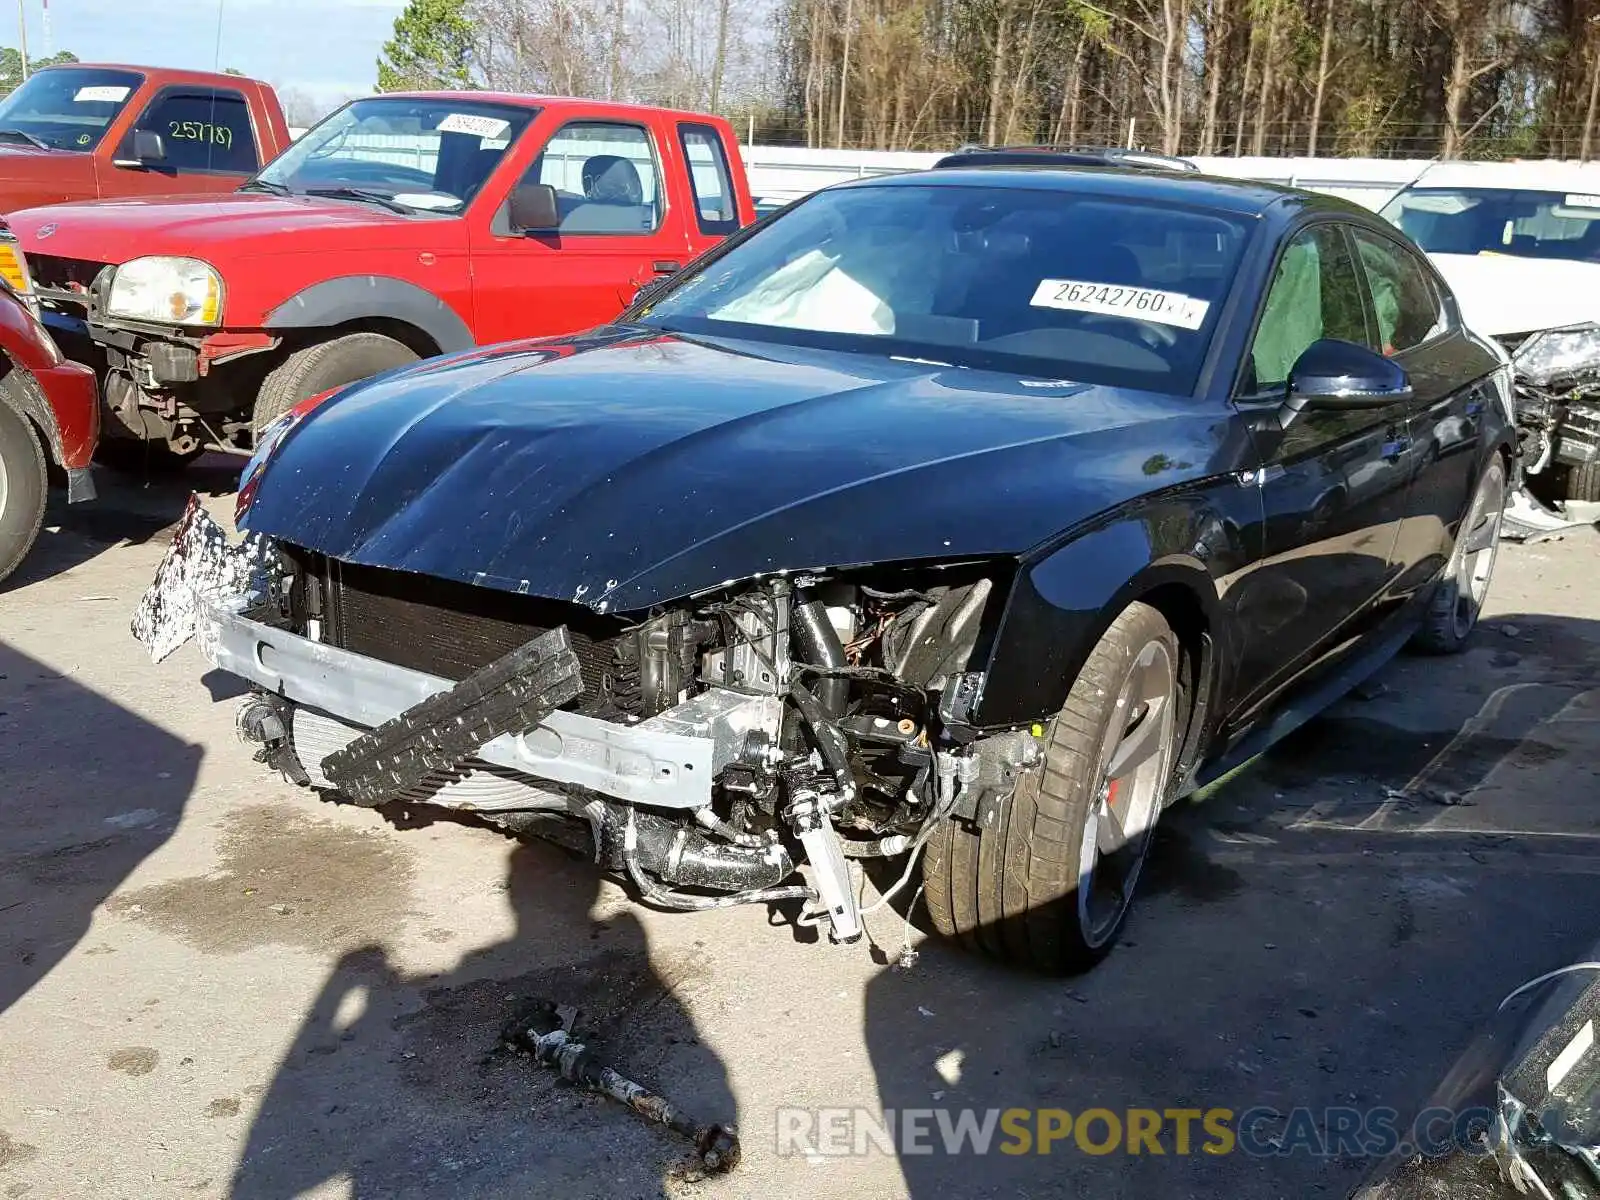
x=1114 y=300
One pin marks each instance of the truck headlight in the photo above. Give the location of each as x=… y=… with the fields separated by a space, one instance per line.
x=1558 y=353
x=167 y=291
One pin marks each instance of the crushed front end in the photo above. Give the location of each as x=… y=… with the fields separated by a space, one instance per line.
x=1557 y=381
x=705 y=749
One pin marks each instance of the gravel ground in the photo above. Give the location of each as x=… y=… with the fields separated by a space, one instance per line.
x=213 y=984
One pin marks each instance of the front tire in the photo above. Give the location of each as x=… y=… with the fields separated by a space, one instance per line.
x=1049 y=884
x=24 y=482
x=1458 y=599
x=326 y=365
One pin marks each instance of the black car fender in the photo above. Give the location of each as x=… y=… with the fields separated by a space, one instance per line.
x=365 y=297
x=1166 y=552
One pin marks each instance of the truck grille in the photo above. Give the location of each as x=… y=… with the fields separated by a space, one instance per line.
x=71 y=275
x=451 y=629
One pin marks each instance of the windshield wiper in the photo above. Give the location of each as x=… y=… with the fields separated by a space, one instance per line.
x=25 y=136
x=266 y=185
x=355 y=193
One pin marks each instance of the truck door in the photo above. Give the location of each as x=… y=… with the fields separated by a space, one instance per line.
x=617 y=232
x=208 y=144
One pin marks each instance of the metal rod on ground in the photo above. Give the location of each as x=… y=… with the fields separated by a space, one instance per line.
x=544 y=1034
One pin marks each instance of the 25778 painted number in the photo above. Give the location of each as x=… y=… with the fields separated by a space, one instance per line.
x=1139 y=304
x=200 y=131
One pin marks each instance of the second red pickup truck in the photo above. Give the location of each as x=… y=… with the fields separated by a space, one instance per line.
x=402 y=226
x=87 y=131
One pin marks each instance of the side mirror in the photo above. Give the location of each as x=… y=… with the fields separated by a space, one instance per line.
x=533 y=209
x=1341 y=376
x=147 y=148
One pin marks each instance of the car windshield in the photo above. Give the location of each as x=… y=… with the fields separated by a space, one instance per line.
x=1030 y=281
x=422 y=155
x=1500 y=221
x=66 y=108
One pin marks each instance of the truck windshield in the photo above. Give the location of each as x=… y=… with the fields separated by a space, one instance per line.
x=66 y=108
x=1049 y=282
x=1499 y=221
x=420 y=155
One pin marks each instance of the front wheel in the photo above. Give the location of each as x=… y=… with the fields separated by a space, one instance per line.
x=1458 y=599
x=326 y=365
x=1048 y=883
x=24 y=481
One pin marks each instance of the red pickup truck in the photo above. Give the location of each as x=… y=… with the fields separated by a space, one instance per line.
x=48 y=413
x=402 y=226
x=86 y=131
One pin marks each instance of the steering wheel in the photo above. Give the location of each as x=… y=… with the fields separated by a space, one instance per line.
x=1151 y=334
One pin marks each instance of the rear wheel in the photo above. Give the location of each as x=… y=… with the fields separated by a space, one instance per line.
x=1050 y=882
x=24 y=481
x=326 y=365
x=1453 y=611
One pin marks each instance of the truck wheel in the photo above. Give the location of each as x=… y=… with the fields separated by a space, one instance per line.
x=1457 y=600
x=1583 y=483
x=1048 y=883
x=24 y=481
x=326 y=365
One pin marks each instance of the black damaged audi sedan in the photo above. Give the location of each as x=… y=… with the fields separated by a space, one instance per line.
x=963 y=519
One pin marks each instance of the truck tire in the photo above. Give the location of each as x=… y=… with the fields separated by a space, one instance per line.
x=1011 y=889
x=326 y=365
x=1458 y=599
x=24 y=482
x=1583 y=483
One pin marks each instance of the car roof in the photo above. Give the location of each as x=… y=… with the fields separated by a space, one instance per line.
x=532 y=100
x=1513 y=176
x=1240 y=197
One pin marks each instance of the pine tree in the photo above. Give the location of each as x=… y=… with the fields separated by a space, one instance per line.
x=431 y=48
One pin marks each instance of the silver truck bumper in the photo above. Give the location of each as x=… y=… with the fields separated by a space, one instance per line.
x=668 y=761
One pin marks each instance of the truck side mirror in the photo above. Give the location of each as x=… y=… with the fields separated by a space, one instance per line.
x=147 y=148
x=533 y=209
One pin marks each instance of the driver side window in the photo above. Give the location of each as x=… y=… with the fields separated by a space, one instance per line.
x=605 y=176
x=1315 y=294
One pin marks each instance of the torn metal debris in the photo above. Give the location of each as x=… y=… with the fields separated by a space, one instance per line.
x=546 y=1032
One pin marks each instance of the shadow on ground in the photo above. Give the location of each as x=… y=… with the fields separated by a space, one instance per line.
x=89 y=791
x=130 y=510
x=398 y=1085
x=1328 y=928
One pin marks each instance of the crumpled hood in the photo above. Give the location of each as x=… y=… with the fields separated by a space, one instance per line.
x=628 y=468
x=1501 y=293
x=215 y=228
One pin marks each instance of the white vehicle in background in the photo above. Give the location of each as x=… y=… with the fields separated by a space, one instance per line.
x=1519 y=244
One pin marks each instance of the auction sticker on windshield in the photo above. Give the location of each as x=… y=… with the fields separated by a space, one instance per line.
x=488 y=127
x=103 y=95
x=1113 y=300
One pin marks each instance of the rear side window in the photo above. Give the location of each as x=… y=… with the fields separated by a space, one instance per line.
x=715 y=207
x=1315 y=294
x=1404 y=301
x=203 y=131
x=605 y=176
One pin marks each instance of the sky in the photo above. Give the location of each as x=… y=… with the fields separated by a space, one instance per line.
x=326 y=48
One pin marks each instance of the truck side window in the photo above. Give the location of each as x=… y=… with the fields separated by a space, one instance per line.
x=715 y=206
x=605 y=176
x=202 y=130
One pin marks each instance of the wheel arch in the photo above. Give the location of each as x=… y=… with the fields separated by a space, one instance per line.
x=376 y=303
x=27 y=400
x=1061 y=604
